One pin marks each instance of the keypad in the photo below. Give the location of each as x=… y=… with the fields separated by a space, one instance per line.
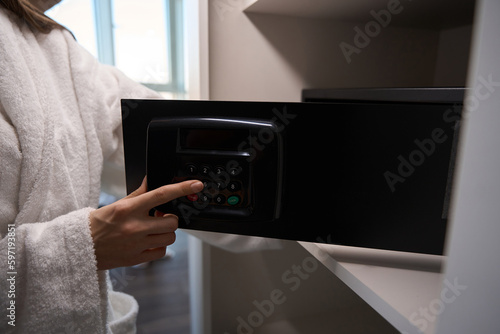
x=225 y=184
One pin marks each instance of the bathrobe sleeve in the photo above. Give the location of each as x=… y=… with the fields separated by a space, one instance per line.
x=59 y=122
x=100 y=89
x=53 y=284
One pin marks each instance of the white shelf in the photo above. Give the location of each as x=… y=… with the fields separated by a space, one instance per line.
x=397 y=285
x=428 y=14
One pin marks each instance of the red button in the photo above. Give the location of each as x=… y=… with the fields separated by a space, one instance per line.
x=192 y=197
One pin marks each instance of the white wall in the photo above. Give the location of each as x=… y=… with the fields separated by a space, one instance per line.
x=273 y=57
x=266 y=293
x=474 y=247
x=453 y=56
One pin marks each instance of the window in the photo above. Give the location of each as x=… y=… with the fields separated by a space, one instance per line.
x=144 y=39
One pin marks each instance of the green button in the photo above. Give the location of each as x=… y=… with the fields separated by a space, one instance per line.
x=233 y=200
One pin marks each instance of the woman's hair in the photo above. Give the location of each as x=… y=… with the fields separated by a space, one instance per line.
x=32 y=15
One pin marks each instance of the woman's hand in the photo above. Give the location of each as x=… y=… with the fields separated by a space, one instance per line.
x=123 y=232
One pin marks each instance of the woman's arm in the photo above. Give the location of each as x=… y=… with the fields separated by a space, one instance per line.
x=54 y=267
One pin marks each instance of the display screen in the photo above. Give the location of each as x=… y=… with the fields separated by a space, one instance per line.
x=213 y=139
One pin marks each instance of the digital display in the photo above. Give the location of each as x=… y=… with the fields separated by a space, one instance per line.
x=213 y=139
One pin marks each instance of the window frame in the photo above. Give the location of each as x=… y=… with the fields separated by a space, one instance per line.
x=104 y=29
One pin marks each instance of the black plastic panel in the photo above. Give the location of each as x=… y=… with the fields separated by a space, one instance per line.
x=371 y=175
x=219 y=152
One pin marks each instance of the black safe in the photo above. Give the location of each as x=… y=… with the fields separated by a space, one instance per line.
x=374 y=172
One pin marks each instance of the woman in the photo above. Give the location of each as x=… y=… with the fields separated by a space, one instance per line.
x=59 y=122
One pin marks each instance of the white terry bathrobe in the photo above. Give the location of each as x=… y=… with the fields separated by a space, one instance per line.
x=59 y=122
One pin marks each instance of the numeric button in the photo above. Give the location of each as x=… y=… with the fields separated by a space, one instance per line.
x=220 y=199
x=233 y=171
x=191 y=169
x=219 y=170
x=203 y=199
x=220 y=185
x=234 y=186
x=205 y=170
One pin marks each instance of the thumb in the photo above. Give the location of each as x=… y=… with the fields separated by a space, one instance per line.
x=141 y=190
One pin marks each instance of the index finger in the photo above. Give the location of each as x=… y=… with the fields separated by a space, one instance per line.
x=167 y=193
